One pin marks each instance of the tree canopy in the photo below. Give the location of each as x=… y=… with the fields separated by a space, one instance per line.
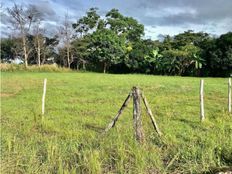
x=115 y=43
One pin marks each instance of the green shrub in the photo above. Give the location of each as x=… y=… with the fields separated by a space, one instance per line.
x=32 y=68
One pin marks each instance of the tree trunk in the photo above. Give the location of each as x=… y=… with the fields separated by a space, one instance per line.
x=68 y=58
x=77 y=66
x=104 y=68
x=139 y=134
x=71 y=58
x=83 y=66
x=26 y=58
x=38 y=52
x=44 y=57
x=25 y=51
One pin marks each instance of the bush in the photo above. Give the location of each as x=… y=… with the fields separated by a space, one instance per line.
x=32 y=68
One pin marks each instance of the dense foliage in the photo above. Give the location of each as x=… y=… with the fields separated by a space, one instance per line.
x=115 y=43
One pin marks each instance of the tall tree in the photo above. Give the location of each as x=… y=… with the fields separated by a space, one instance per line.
x=80 y=52
x=220 y=55
x=124 y=25
x=49 y=47
x=87 y=23
x=106 y=48
x=8 y=48
x=39 y=40
x=66 y=33
x=22 y=19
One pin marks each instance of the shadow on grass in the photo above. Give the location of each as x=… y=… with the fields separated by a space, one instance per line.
x=94 y=128
x=192 y=124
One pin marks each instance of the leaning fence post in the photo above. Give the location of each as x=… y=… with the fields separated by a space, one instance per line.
x=229 y=95
x=43 y=97
x=202 y=112
x=150 y=115
x=124 y=105
x=139 y=134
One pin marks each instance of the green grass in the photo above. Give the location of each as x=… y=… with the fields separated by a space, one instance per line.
x=80 y=105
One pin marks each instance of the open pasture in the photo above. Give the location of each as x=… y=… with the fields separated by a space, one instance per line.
x=78 y=108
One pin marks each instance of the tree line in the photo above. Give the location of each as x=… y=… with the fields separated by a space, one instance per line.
x=115 y=43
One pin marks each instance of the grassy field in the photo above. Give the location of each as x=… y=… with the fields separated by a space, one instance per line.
x=80 y=105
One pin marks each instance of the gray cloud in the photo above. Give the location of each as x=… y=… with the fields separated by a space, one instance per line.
x=210 y=15
x=204 y=11
x=5 y=18
x=45 y=9
x=172 y=12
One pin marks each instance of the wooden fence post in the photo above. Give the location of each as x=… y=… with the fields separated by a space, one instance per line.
x=202 y=112
x=124 y=105
x=151 y=115
x=137 y=117
x=229 y=95
x=139 y=134
x=43 y=97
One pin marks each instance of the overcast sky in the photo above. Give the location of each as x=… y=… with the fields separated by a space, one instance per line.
x=160 y=17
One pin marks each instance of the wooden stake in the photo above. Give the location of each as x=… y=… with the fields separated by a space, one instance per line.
x=43 y=97
x=229 y=95
x=139 y=134
x=124 y=105
x=151 y=115
x=202 y=112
